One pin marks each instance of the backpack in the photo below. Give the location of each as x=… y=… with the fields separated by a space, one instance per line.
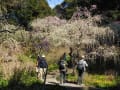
x=62 y=65
x=42 y=63
x=80 y=67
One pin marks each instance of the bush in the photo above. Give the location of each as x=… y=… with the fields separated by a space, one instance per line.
x=71 y=77
x=52 y=67
x=114 y=15
x=23 y=77
x=24 y=11
x=3 y=82
x=24 y=58
x=28 y=78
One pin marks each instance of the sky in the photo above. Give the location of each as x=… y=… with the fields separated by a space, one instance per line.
x=53 y=3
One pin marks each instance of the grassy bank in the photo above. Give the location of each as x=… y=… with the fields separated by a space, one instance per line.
x=101 y=81
x=27 y=80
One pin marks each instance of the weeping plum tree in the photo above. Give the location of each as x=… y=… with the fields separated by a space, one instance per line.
x=42 y=46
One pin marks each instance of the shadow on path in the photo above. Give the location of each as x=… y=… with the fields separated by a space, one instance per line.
x=52 y=85
x=38 y=86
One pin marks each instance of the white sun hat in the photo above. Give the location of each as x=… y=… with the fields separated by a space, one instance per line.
x=43 y=55
x=83 y=56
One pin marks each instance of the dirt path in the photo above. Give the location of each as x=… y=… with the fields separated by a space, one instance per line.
x=51 y=80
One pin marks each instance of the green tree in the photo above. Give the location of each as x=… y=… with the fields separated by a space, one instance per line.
x=23 y=11
x=68 y=7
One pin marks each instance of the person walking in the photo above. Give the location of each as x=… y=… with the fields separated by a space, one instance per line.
x=81 y=68
x=62 y=69
x=42 y=67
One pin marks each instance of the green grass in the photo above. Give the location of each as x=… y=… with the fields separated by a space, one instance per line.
x=20 y=77
x=52 y=67
x=71 y=77
x=102 y=81
x=28 y=78
x=3 y=82
x=24 y=58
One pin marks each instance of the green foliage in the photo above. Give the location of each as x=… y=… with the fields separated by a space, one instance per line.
x=102 y=5
x=113 y=14
x=24 y=77
x=3 y=82
x=68 y=57
x=68 y=0
x=66 y=12
x=28 y=78
x=24 y=58
x=69 y=12
x=102 y=81
x=23 y=11
x=52 y=67
x=71 y=77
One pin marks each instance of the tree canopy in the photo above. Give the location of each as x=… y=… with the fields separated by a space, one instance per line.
x=23 y=11
x=68 y=7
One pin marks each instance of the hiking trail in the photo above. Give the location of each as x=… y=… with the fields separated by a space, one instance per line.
x=52 y=80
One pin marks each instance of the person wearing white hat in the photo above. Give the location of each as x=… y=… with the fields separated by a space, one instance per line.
x=42 y=67
x=81 y=68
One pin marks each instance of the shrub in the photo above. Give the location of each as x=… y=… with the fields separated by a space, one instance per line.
x=23 y=77
x=28 y=78
x=24 y=58
x=71 y=77
x=3 y=82
x=52 y=67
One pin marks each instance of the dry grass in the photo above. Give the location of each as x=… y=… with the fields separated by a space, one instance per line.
x=8 y=68
x=55 y=54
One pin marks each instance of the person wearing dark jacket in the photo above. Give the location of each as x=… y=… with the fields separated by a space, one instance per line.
x=62 y=69
x=42 y=67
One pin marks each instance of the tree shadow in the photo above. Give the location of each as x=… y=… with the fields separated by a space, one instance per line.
x=38 y=86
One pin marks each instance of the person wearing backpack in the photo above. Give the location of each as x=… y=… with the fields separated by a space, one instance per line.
x=62 y=69
x=42 y=67
x=81 y=68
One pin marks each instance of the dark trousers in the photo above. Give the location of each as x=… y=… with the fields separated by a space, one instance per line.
x=80 y=77
x=62 y=77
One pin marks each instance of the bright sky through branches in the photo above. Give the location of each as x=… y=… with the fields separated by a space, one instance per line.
x=53 y=3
